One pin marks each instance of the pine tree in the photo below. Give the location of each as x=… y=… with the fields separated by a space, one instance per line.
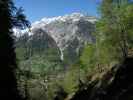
x=9 y=17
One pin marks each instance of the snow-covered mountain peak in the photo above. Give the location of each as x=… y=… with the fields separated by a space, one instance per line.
x=68 y=17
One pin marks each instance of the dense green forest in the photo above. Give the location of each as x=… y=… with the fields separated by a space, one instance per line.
x=96 y=74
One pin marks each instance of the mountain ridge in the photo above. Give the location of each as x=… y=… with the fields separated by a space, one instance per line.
x=70 y=32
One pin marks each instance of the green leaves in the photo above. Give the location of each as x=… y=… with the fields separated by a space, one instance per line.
x=88 y=57
x=114 y=27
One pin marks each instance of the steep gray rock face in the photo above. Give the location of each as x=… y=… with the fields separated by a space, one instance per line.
x=70 y=33
x=43 y=39
x=44 y=44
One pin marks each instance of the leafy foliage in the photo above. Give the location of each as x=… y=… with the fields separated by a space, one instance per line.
x=88 y=56
x=114 y=31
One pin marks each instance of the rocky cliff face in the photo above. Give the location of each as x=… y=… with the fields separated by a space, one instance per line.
x=68 y=33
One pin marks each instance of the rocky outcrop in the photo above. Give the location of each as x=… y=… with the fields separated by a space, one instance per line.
x=116 y=84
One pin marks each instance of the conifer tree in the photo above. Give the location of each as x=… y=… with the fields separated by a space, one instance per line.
x=9 y=17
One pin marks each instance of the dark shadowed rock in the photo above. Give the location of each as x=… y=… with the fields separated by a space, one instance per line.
x=120 y=88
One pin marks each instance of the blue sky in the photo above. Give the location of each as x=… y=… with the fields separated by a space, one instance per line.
x=37 y=9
